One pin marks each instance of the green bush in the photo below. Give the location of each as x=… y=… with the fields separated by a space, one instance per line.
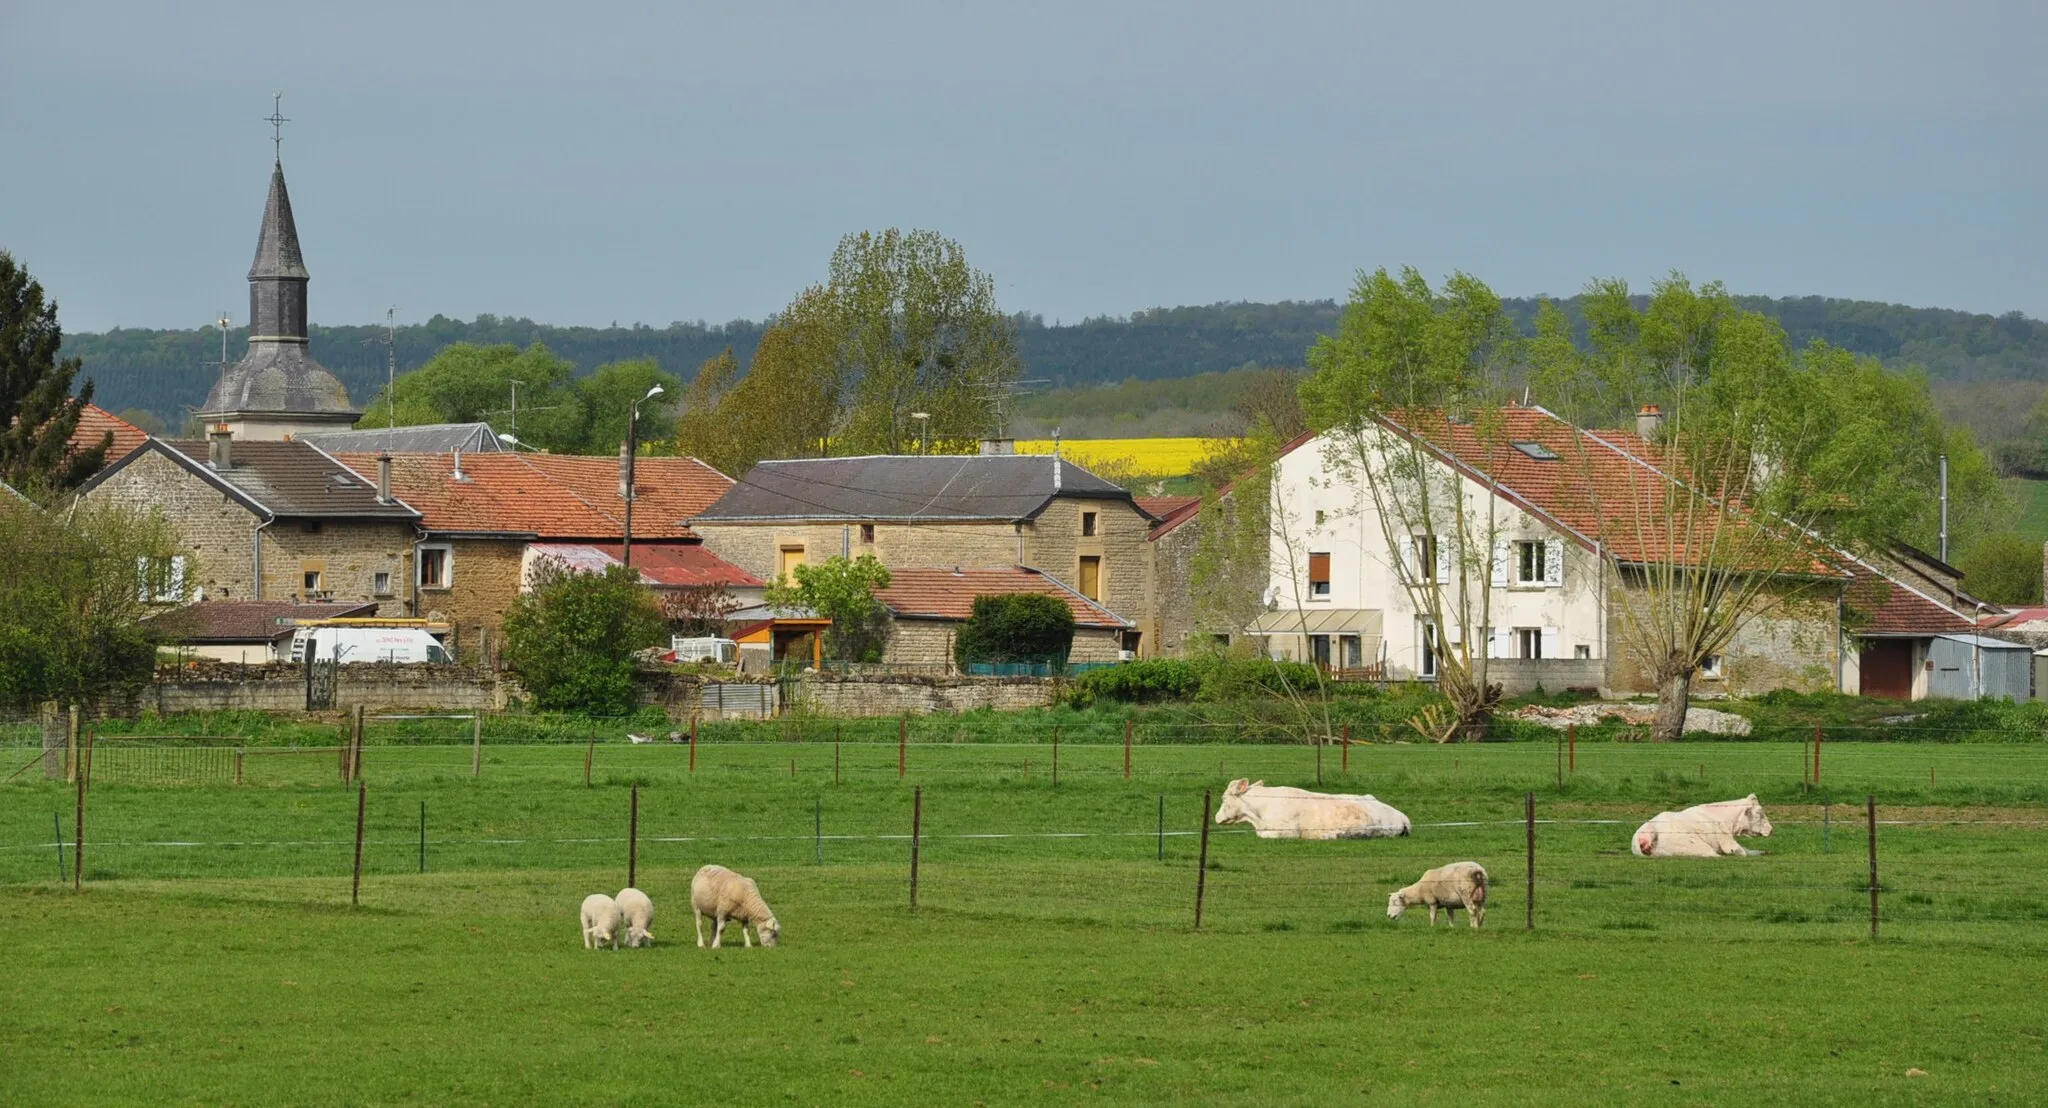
x=1016 y=627
x=1151 y=680
x=571 y=640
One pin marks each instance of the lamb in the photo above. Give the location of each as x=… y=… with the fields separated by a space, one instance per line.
x=724 y=895
x=639 y=915
x=1457 y=885
x=601 y=921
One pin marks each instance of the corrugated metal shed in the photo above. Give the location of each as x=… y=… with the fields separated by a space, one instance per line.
x=1978 y=667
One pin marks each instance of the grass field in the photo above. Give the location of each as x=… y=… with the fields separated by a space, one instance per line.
x=214 y=956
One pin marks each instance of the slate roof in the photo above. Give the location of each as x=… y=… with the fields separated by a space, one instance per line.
x=548 y=496
x=908 y=488
x=429 y=438
x=948 y=594
x=277 y=480
x=676 y=565
x=250 y=621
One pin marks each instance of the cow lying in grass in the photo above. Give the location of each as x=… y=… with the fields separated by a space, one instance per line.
x=1702 y=831
x=1280 y=812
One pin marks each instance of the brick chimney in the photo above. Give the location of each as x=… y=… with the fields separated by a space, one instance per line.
x=218 y=453
x=1650 y=423
x=384 y=478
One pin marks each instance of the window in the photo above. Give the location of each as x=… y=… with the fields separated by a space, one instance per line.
x=1710 y=667
x=1087 y=525
x=311 y=575
x=1220 y=639
x=1537 y=451
x=1319 y=650
x=437 y=567
x=160 y=580
x=1528 y=642
x=381 y=583
x=786 y=561
x=1425 y=667
x=867 y=534
x=1582 y=652
x=1091 y=577
x=1319 y=576
x=1422 y=552
x=1528 y=563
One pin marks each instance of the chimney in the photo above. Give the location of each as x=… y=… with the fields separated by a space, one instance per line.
x=384 y=478
x=998 y=446
x=459 y=475
x=1650 y=423
x=218 y=455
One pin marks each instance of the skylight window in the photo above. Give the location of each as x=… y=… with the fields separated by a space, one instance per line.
x=1537 y=451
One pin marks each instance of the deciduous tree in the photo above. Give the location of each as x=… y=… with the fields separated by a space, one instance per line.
x=843 y=591
x=571 y=638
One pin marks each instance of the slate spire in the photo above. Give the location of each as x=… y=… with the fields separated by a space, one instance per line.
x=277 y=278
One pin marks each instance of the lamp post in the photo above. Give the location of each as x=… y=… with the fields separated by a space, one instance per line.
x=924 y=424
x=627 y=453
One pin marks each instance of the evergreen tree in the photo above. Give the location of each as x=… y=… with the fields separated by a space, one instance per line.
x=38 y=414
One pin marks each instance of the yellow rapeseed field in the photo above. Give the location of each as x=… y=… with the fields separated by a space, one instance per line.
x=1169 y=457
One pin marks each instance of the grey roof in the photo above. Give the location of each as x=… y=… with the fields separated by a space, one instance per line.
x=251 y=621
x=277 y=480
x=426 y=438
x=278 y=374
x=908 y=487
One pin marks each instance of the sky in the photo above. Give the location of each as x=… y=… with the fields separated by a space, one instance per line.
x=599 y=162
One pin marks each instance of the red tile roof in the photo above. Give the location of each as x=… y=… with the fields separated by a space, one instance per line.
x=1879 y=605
x=948 y=594
x=1605 y=488
x=677 y=565
x=248 y=621
x=548 y=495
x=1172 y=511
x=95 y=422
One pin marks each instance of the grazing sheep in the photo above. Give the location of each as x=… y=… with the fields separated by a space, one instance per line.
x=1703 y=830
x=724 y=895
x=639 y=914
x=601 y=921
x=1451 y=887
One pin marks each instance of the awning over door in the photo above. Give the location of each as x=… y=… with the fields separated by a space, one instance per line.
x=1320 y=621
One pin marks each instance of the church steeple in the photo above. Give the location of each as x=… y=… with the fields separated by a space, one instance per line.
x=277 y=389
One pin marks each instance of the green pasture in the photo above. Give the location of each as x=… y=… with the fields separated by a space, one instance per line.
x=214 y=956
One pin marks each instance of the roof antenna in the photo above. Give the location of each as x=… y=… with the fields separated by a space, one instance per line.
x=222 y=323
x=391 y=381
x=277 y=121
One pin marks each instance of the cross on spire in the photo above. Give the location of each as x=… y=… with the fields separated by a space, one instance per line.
x=277 y=121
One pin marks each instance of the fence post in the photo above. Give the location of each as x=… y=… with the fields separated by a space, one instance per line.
x=1055 y=757
x=1529 y=821
x=916 y=838
x=238 y=765
x=71 y=745
x=57 y=832
x=1870 y=803
x=1202 y=862
x=82 y=773
x=476 y=743
x=633 y=842
x=355 y=759
x=693 y=744
x=355 y=890
x=589 y=755
x=423 y=836
x=1162 y=827
x=902 y=745
x=1816 y=755
x=1346 y=767
x=1571 y=747
x=1127 y=748
x=818 y=832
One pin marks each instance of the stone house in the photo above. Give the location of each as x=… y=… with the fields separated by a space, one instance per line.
x=928 y=605
x=988 y=511
x=1169 y=621
x=269 y=521
x=482 y=515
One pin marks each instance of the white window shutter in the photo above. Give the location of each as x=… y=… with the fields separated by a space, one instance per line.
x=1443 y=562
x=1553 y=563
x=1408 y=554
x=174 y=587
x=1503 y=553
x=1550 y=642
x=1500 y=644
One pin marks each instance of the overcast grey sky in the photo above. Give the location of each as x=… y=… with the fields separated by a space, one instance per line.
x=584 y=163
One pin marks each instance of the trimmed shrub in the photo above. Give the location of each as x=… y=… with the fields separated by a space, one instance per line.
x=1016 y=627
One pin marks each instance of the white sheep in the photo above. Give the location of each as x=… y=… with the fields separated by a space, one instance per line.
x=601 y=921
x=1451 y=887
x=639 y=914
x=724 y=895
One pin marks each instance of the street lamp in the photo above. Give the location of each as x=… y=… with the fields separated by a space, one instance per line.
x=924 y=423
x=627 y=451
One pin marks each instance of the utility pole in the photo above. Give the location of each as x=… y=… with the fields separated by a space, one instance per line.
x=627 y=452
x=1944 y=507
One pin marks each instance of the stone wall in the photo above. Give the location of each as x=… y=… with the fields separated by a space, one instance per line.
x=348 y=555
x=756 y=547
x=215 y=532
x=925 y=643
x=484 y=578
x=919 y=696
x=1521 y=676
x=1791 y=645
x=282 y=688
x=1170 y=602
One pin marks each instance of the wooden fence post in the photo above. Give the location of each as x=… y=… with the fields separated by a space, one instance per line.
x=355 y=890
x=476 y=743
x=693 y=744
x=80 y=773
x=1127 y=749
x=589 y=755
x=916 y=839
x=355 y=755
x=71 y=745
x=633 y=843
x=57 y=832
x=1529 y=820
x=238 y=765
x=902 y=746
x=1202 y=862
x=423 y=836
x=1870 y=803
x=1347 y=749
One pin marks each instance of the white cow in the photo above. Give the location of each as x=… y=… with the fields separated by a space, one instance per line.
x=1280 y=812
x=1702 y=831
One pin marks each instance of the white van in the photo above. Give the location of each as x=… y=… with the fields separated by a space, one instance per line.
x=368 y=644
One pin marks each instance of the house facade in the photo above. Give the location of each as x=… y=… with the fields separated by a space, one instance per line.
x=271 y=521
x=1519 y=542
x=952 y=512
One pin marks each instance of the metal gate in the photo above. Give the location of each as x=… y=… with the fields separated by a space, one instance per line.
x=737 y=699
x=322 y=675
